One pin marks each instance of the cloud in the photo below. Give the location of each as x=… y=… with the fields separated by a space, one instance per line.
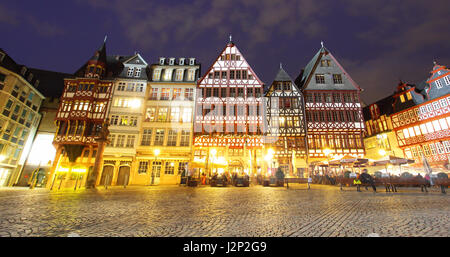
x=259 y=20
x=44 y=28
x=8 y=16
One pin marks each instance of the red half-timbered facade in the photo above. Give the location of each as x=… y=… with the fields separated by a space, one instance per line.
x=422 y=119
x=82 y=111
x=335 y=124
x=229 y=113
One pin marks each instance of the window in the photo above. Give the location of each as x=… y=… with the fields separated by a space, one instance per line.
x=438 y=83
x=130 y=72
x=337 y=78
x=177 y=94
x=156 y=74
x=143 y=167
x=133 y=121
x=240 y=92
x=439 y=147
x=325 y=63
x=165 y=92
x=159 y=137
x=191 y=75
x=162 y=114
x=150 y=114
x=124 y=120
x=408 y=96
x=189 y=94
x=169 y=168
x=154 y=94
x=130 y=141
x=167 y=74
x=185 y=138
x=140 y=87
x=172 y=138
x=244 y=74
x=111 y=139
x=137 y=73
x=121 y=86
x=114 y=119
x=120 y=141
x=179 y=75
x=447 y=80
x=187 y=114
x=146 y=137
x=182 y=168
x=238 y=74
x=320 y=79
x=175 y=114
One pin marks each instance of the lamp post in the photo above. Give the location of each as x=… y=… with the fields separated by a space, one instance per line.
x=212 y=153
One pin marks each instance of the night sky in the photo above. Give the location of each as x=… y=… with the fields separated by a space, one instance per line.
x=377 y=42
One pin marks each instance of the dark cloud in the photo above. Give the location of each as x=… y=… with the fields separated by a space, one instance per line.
x=377 y=42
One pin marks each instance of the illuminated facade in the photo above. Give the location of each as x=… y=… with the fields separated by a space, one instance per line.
x=20 y=101
x=335 y=124
x=165 y=143
x=380 y=139
x=422 y=121
x=229 y=116
x=125 y=118
x=81 y=113
x=286 y=131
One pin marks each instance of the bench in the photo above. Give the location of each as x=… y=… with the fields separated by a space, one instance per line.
x=443 y=183
x=295 y=180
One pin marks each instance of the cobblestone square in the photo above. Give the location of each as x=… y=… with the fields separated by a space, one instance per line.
x=323 y=211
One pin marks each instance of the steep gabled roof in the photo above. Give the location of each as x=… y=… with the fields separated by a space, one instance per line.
x=304 y=79
x=282 y=75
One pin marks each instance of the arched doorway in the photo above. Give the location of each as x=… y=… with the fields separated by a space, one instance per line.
x=235 y=166
x=124 y=176
x=107 y=175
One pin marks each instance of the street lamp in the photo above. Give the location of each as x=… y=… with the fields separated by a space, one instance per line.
x=382 y=152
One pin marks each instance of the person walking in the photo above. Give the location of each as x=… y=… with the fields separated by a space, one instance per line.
x=309 y=182
x=357 y=182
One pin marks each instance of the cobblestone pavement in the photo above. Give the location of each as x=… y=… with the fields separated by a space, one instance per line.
x=322 y=211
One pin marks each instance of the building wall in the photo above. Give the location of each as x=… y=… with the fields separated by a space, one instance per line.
x=19 y=118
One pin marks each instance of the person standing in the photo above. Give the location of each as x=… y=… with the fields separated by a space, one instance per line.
x=357 y=182
x=309 y=182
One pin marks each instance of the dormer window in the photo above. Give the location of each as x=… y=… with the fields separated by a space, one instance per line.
x=171 y=61
x=137 y=73
x=2 y=56
x=167 y=74
x=438 y=83
x=191 y=61
x=130 y=72
x=181 y=62
x=30 y=77
x=156 y=74
x=23 y=71
x=447 y=80
x=161 y=60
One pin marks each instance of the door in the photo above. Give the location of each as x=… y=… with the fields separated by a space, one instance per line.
x=124 y=176
x=156 y=173
x=107 y=175
x=4 y=174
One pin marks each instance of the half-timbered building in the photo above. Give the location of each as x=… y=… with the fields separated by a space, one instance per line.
x=422 y=119
x=335 y=124
x=286 y=130
x=228 y=122
x=82 y=111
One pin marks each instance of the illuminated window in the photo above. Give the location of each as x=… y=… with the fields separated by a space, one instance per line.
x=406 y=133
x=433 y=149
x=402 y=98
x=189 y=94
x=165 y=92
x=169 y=168
x=150 y=114
x=143 y=167
x=443 y=124
x=120 y=141
x=191 y=75
x=185 y=138
x=146 y=137
x=156 y=74
x=423 y=129
x=411 y=132
x=130 y=141
x=156 y=169
x=179 y=75
x=167 y=74
x=430 y=127
x=154 y=94
x=439 y=147
x=320 y=79
x=159 y=137
x=414 y=152
x=162 y=114
x=172 y=137
x=187 y=114
x=417 y=130
x=436 y=125
x=446 y=146
x=337 y=78
x=175 y=114
x=408 y=96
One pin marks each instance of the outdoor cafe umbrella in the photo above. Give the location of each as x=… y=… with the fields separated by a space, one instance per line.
x=392 y=160
x=353 y=161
